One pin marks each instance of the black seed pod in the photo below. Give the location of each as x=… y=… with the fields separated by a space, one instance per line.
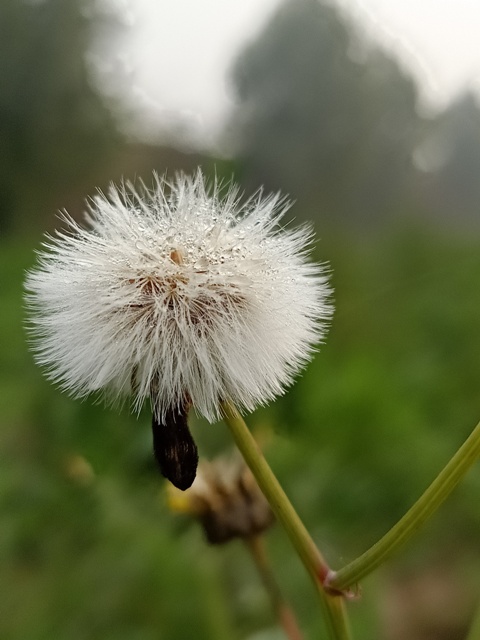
x=174 y=448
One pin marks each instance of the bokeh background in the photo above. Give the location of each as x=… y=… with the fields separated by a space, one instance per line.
x=316 y=107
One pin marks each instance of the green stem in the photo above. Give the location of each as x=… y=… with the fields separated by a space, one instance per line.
x=281 y=608
x=474 y=632
x=417 y=515
x=287 y=516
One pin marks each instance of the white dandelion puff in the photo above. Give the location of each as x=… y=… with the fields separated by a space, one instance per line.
x=180 y=294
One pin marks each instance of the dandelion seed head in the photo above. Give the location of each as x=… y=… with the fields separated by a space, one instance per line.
x=178 y=292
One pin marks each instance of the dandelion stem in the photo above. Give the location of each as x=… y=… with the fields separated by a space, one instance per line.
x=417 y=515
x=474 y=632
x=283 y=509
x=283 y=611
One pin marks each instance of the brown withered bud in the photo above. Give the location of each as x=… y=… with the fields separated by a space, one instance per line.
x=174 y=447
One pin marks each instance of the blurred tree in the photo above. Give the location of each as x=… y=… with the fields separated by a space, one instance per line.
x=450 y=158
x=324 y=116
x=55 y=128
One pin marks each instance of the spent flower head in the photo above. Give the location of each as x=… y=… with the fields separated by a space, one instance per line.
x=226 y=499
x=178 y=293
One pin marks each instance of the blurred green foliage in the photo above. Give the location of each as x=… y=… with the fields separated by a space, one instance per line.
x=88 y=548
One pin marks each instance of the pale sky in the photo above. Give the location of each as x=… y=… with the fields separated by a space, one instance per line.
x=177 y=53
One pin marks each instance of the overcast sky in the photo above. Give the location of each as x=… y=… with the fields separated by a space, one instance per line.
x=177 y=53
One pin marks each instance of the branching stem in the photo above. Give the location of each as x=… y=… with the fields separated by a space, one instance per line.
x=415 y=517
x=306 y=549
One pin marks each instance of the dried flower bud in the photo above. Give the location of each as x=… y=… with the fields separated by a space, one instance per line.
x=226 y=500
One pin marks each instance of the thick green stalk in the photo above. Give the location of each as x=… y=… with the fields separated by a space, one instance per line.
x=417 y=515
x=287 y=516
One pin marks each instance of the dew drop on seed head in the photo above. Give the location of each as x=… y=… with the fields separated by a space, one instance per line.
x=201 y=263
x=239 y=280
